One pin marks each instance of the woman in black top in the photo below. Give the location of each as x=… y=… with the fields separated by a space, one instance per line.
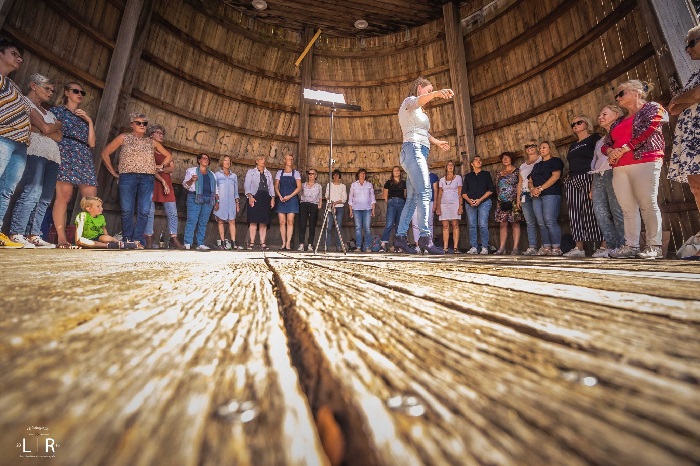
x=578 y=186
x=545 y=187
x=395 y=197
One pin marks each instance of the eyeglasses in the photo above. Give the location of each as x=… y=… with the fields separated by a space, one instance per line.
x=158 y=132
x=620 y=94
x=49 y=90
x=78 y=91
x=579 y=122
x=16 y=54
x=691 y=43
x=530 y=146
x=141 y=123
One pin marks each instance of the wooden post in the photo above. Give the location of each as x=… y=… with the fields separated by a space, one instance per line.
x=306 y=68
x=115 y=75
x=668 y=22
x=454 y=42
x=5 y=7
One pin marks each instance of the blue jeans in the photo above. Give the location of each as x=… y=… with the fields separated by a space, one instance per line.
x=37 y=187
x=607 y=210
x=197 y=216
x=547 y=213
x=13 y=158
x=394 y=207
x=337 y=217
x=170 y=211
x=414 y=161
x=135 y=193
x=362 y=219
x=478 y=218
x=530 y=220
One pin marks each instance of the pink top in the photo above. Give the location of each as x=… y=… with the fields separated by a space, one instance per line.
x=621 y=135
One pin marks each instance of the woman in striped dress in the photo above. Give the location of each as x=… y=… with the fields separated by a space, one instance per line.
x=577 y=186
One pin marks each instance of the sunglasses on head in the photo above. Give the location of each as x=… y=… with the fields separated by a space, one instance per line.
x=579 y=122
x=691 y=43
x=530 y=146
x=78 y=91
x=140 y=123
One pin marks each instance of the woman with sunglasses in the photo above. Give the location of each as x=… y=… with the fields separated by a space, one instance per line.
x=577 y=186
x=635 y=150
x=137 y=168
x=77 y=166
x=38 y=184
x=685 y=158
x=524 y=199
x=311 y=201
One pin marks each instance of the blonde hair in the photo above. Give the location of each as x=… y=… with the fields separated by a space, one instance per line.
x=62 y=99
x=588 y=121
x=615 y=109
x=133 y=116
x=695 y=31
x=88 y=201
x=413 y=88
x=644 y=88
x=552 y=148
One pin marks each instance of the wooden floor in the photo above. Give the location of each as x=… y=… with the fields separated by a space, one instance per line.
x=186 y=358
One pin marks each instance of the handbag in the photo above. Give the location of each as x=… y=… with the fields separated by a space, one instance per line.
x=506 y=206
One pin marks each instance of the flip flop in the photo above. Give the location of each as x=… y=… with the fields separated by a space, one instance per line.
x=64 y=246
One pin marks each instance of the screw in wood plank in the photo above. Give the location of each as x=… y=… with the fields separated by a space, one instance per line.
x=235 y=411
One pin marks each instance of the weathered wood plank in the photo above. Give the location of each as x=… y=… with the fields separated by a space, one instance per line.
x=481 y=382
x=140 y=381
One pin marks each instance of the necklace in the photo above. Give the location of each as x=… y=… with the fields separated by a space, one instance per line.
x=451 y=181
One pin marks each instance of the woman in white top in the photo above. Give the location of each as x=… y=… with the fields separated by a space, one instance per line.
x=229 y=203
x=38 y=182
x=415 y=126
x=524 y=200
x=449 y=206
x=336 y=193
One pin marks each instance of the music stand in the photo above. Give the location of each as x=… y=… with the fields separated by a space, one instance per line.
x=334 y=102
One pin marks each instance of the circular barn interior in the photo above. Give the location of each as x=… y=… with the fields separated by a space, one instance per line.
x=272 y=358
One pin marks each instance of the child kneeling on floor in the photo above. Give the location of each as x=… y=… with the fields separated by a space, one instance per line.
x=91 y=227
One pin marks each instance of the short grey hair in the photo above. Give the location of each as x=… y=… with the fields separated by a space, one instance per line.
x=135 y=115
x=40 y=80
x=693 y=32
x=153 y=129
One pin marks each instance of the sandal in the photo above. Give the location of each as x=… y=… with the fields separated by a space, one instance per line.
x=263 y=247
x=63 y=246
x=251 y=246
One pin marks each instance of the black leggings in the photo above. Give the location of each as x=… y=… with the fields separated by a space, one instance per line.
x=308 y=212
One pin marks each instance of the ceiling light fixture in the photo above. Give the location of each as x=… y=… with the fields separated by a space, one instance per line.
x=361 y=24
x=259 y=4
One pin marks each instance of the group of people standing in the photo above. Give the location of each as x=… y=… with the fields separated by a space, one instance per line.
x=611 y=184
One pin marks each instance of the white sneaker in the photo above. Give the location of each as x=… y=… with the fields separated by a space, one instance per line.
x=484 y=251
x=625 y=252
x=40 y=243
x=301 y=247
x=543 y=251
x=575 y=252
x=20 y=239
x=601 y=253
x=202 y=247
x=188 y=246
x=555 y=252
x=473 y=251
x=650 y=252
x=530 y=252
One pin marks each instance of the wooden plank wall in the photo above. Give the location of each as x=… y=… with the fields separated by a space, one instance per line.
x=224 y=83
x=542 y=62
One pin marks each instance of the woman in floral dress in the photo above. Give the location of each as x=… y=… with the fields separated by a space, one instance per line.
x=685 y=158
x=507 y=210
x=77 y=165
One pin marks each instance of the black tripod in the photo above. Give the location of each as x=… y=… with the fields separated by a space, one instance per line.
x=329 y=205
x=330 y=208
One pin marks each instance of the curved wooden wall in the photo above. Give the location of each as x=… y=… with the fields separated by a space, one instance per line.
x=224 y=83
